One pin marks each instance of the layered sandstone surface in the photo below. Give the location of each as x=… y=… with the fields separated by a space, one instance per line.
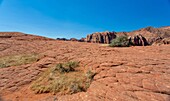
x=122 y=74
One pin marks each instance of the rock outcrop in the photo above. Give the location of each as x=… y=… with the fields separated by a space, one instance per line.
x=82 y=40
x=73 y=39
x=138 y=40
x=101 y=37
x=141 y=37
x=163 y=41
x=62 y=39
x=152 y=34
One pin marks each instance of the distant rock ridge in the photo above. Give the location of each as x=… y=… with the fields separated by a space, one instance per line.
x=141 y=37
x=71 y=39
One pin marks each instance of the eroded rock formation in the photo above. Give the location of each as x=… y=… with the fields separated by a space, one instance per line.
x=101 y=37
x=141 y=37
x=138 y=40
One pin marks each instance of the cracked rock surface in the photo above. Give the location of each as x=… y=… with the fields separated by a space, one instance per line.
x=123 y=74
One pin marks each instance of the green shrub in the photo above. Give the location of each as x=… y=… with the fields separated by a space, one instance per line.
x=120 y=41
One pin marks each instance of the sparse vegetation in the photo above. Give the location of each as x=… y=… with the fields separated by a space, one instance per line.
x=63 y=78
x=67 y=67
x=17 y=60
x=120 y=41
x=90 y=74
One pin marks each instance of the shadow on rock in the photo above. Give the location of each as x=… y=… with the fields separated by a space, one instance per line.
x=1 y=99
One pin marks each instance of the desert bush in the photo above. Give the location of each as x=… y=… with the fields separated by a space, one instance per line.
x=70 y=66
x=66 y=67
x=90 y=74
x=17 y=60
x=60 y=79
x=120 y=41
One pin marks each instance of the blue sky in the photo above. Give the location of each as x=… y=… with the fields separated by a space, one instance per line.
x=77 y=18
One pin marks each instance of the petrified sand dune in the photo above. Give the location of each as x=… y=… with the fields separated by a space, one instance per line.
x=123 y=74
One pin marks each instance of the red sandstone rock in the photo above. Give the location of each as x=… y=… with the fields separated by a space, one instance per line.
x=123 y=74
x=73 y=39
x=103 y=37
x=142 y=37
x=138 y=40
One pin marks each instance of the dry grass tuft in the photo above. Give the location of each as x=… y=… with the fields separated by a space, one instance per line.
x=17 y=60
x=63 y=78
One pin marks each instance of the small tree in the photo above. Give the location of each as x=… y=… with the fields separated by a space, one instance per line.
x=120 y=41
